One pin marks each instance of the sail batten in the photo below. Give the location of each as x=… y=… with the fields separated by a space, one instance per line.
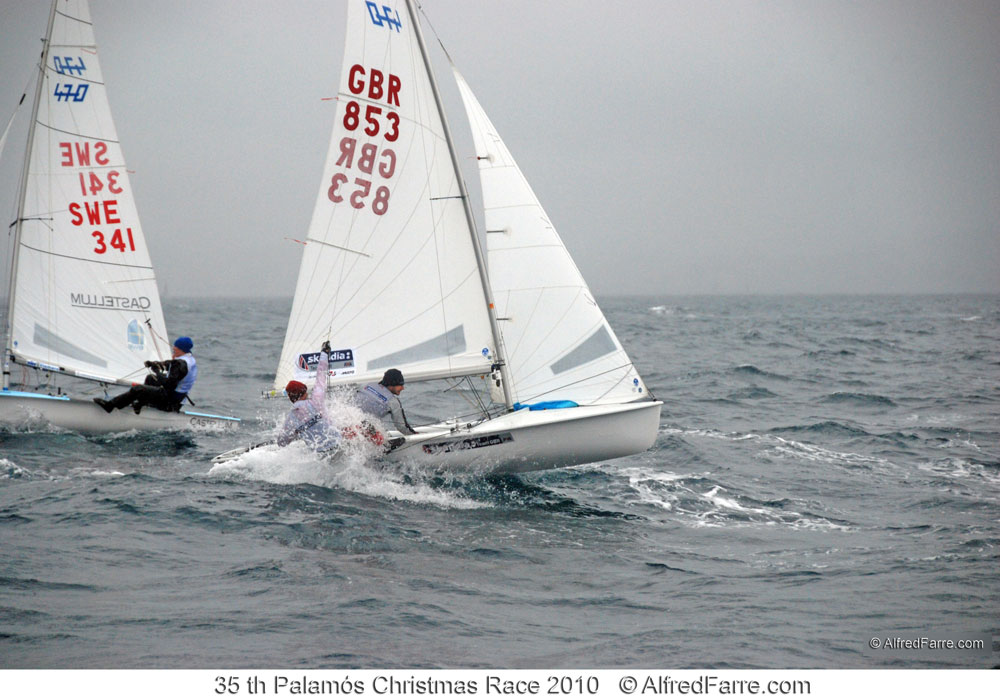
x=74 y=257
x=88 y=137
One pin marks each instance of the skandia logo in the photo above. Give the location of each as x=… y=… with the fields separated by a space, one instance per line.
x=339 y=359
x=94 y=301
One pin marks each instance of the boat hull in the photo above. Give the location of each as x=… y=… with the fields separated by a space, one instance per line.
x=525 y=441
x=27 y=409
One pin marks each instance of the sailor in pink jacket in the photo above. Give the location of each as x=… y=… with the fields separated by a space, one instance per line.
x=307 y=420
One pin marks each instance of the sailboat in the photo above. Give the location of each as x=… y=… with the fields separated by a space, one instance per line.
x=394 y=275
x=83 y=300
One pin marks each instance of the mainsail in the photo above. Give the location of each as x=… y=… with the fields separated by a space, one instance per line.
x=558 y=344
x=83 y=296
x=389 y=272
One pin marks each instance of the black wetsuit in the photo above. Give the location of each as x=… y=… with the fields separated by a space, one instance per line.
x=158 y=391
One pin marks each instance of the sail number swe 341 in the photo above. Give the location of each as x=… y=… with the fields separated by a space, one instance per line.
x=99 y=213
x=373 y=86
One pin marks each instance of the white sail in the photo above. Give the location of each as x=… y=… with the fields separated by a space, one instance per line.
x=558 y=344
x=83 y=293
x=389 y=272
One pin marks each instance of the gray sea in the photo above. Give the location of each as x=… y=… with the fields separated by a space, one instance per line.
x=826 y=474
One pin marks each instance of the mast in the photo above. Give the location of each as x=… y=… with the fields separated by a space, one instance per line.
x=480 y=260
x=23 y=188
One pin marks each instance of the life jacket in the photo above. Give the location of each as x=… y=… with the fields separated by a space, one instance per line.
x=374 y=399
x=307 y=422
x=187 y=382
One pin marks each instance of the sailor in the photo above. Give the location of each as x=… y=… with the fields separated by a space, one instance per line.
x=308 y=420
x=167 y=385
x=382 y=399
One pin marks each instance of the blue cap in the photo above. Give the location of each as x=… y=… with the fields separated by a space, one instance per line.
x=184 y=343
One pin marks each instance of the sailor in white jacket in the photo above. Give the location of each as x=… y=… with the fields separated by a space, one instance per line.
x=307 y=420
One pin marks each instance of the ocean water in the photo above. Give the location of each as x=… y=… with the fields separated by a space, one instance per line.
x=827 y=472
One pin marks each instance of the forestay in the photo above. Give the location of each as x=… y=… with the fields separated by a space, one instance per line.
x=83 y=293
x=557 y=342
x=389 y=272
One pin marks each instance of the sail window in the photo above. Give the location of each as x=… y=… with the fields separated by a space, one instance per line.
x=44 y=338
x=445 y=345
x=597 y=345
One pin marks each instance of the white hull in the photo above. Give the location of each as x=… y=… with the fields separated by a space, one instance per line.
x=26 y=409
x=525 y=440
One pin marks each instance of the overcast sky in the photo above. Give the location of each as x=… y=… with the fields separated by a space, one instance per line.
x=678 y=146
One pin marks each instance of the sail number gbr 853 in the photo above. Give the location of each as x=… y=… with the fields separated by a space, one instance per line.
x=373 y=159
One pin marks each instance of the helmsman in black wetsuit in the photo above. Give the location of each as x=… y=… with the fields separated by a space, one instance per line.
x=166 y=386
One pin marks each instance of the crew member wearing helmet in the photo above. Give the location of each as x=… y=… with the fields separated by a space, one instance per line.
x=167 y=385
x=382 y=399
x=308 y=420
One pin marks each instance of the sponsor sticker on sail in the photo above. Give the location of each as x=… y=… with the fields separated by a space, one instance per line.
x=136 y=336
x=341 y=364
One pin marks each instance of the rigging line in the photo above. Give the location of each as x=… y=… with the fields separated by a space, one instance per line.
x=482 y=413
x=434 y=32
x=479 y=397
x=135 y=371
x=479 y=405
x=155 y=335
x=455 y=386
x=74 y=257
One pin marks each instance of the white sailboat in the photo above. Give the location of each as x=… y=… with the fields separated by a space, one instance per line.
x=83 y=300
x=394 y=276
